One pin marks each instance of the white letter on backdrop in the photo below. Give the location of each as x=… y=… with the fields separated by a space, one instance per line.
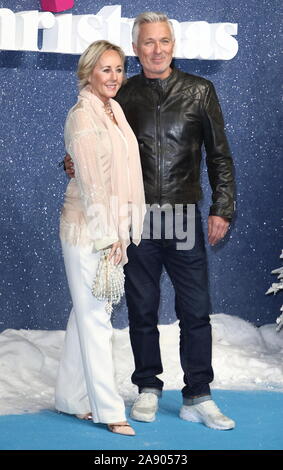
x=27 y=24
x=7 y=29
x=59 y=38
x=225 y=47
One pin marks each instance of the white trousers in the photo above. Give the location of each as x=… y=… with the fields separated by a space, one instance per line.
x=86 y=376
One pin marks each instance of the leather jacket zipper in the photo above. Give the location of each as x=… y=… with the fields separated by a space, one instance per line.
x=158 y=122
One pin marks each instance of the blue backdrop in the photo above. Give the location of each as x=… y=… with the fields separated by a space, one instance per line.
x=37 y=89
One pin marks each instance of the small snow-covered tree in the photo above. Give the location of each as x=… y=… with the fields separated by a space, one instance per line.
x=276 y=287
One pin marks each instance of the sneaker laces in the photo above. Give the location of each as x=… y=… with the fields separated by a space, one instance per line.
x=146 y=398
x=212 y=405
x=212 y=408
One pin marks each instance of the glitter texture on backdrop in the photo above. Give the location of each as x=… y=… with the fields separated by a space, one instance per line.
x=37 y=89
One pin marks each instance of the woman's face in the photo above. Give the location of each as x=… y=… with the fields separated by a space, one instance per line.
x=107 y=76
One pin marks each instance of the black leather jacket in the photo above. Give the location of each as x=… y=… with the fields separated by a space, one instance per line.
x=171 y=119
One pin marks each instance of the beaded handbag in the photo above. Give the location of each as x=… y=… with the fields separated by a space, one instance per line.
x=109 y=281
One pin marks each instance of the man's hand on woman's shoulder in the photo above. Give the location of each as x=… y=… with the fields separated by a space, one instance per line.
x=69 y=166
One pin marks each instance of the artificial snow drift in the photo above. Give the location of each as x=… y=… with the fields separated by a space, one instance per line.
x=244 y=357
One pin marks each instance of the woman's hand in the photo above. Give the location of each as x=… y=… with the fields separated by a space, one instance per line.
x=116 y=252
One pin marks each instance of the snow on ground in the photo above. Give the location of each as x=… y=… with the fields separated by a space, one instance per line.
x=244 y=357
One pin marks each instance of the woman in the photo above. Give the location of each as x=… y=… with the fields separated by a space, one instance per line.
x=103 y=201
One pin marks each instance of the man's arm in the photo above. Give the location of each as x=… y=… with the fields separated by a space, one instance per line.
x=220 y=168
x=218 y=157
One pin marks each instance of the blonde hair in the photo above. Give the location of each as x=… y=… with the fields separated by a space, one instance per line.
x=91 y=56
x=150 y=17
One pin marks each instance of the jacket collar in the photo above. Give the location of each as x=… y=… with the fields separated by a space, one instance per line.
x=157 y=83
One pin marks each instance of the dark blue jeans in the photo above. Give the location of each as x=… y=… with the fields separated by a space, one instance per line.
x=187 y=269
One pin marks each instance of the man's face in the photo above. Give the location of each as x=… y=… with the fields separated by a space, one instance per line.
x=155 y=49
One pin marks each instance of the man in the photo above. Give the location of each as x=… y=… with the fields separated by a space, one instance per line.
x=172 y=114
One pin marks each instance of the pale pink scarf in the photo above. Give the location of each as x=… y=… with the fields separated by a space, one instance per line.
x=128 y=192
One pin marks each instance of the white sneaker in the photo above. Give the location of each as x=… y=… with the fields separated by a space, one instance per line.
x=207 y=412
x=145 y=407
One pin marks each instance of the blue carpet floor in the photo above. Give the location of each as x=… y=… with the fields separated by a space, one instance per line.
x=258 y=415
